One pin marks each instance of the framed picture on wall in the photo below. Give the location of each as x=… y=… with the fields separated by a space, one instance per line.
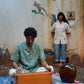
x=71 y=15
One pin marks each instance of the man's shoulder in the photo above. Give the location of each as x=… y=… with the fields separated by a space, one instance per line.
x=37 y=45
x=21 y=44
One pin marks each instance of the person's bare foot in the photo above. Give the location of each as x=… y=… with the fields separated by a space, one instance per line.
x=56 y=64
x=60 y=63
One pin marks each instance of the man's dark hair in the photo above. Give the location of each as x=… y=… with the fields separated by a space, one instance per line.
x=30 y=31
x=64 y=18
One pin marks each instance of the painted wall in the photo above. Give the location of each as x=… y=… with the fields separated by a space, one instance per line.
x=76 y=39
x=16 y=15
x=75 y=47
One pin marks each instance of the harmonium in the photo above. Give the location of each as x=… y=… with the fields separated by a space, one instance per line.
x=33 y=78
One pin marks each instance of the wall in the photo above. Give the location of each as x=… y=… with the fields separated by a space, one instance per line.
x=76 y=39
x=16 y=15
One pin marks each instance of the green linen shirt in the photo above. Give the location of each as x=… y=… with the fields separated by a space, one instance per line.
x=28 y=60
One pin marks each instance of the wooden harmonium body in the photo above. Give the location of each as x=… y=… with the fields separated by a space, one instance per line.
x=33 y=78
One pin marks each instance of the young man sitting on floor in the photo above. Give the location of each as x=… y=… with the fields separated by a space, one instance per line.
x=27 y=54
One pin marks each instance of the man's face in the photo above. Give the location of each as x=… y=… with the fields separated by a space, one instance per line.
x=30 y=40
x=60 y=18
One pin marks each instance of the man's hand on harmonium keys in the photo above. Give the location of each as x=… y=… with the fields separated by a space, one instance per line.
x=19 y=70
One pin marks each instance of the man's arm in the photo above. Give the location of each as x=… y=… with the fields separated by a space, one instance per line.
x=42 y=59
x=18 y=69
x=44 y=63
x=15 y=59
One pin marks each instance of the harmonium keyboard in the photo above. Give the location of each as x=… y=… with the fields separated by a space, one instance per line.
x=33 y=78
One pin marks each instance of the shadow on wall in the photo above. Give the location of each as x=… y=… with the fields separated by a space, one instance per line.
x=75 y=59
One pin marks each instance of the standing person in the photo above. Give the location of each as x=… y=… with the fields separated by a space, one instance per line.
x=61 y=27
x=26 y=55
